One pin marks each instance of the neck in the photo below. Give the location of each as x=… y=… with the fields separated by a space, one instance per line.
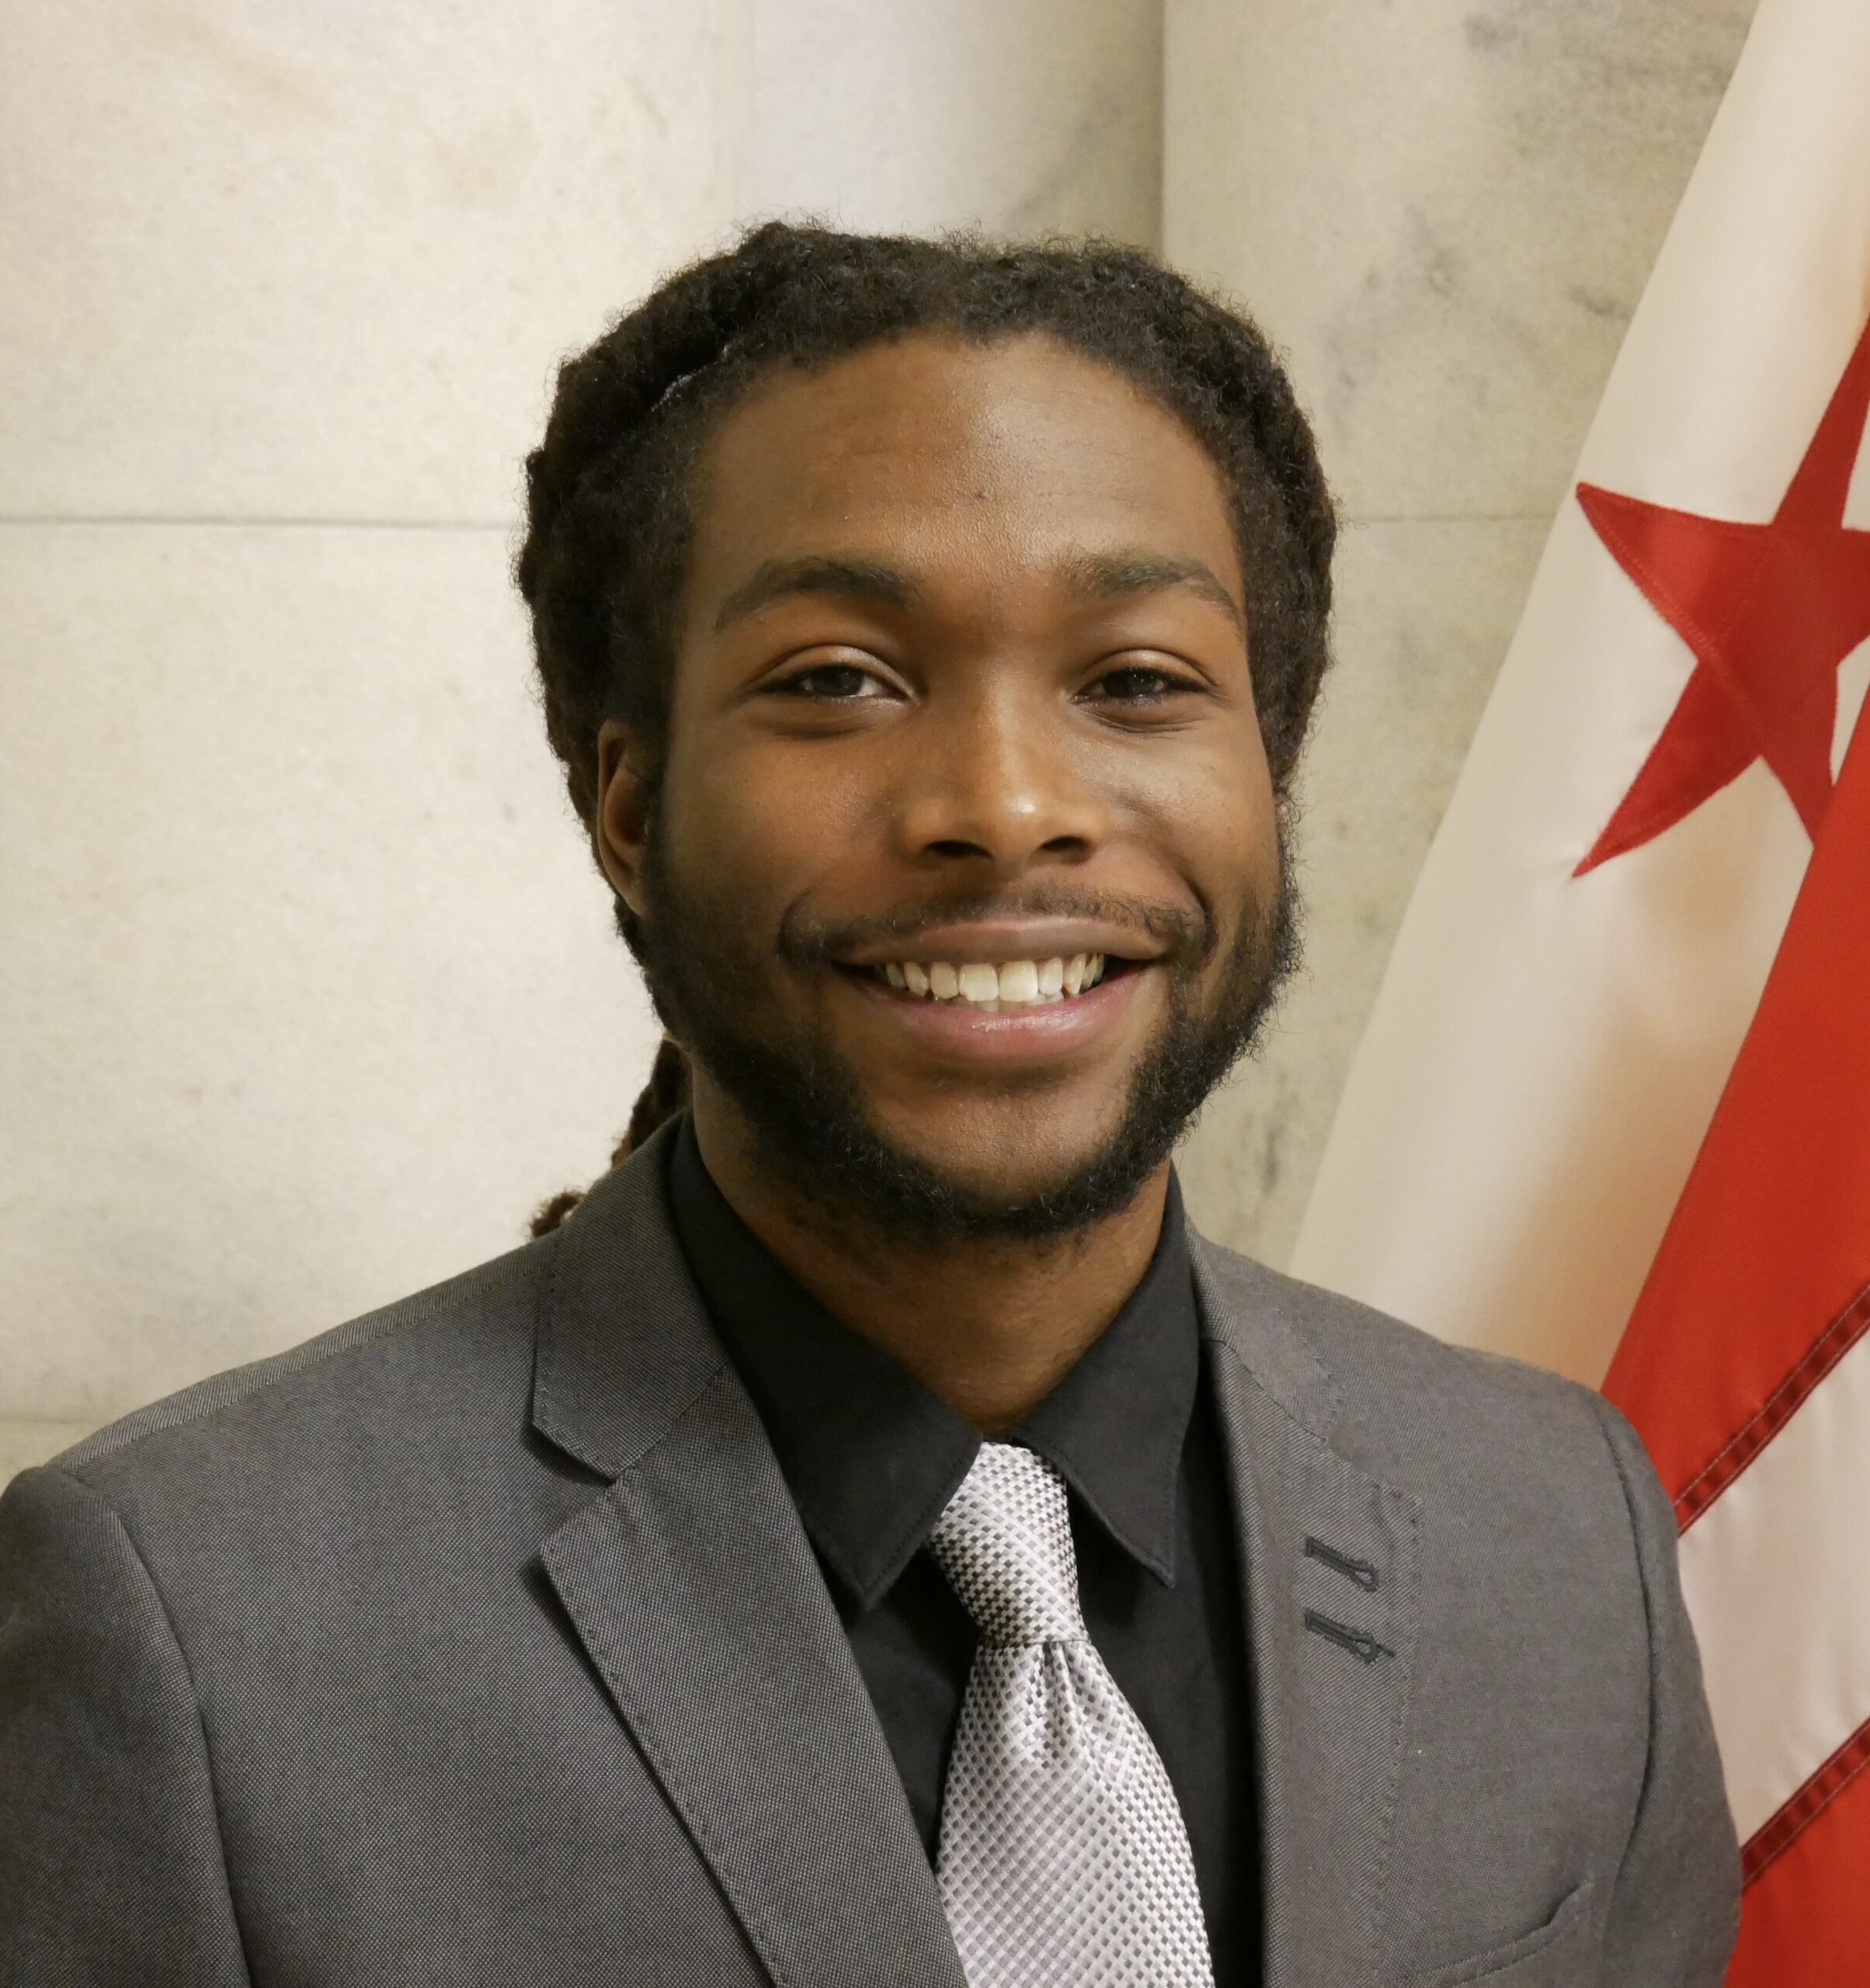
x=989 y=1326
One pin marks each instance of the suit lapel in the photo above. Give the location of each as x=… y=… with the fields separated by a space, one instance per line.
x=697 y=1595
x=1330 y=1558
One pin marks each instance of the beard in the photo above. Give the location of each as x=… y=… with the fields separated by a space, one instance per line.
x=803 y=1103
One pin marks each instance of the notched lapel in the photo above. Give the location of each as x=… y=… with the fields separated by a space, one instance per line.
x=696 y=1595
x=695 y=1592
x=1332 y=1562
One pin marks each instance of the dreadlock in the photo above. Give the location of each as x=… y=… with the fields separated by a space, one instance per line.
x=608 y=520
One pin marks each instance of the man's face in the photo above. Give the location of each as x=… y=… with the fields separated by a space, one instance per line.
x=961 y=708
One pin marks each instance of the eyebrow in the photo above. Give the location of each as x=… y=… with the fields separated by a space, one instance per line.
x=1092 y=576
x=854 y=579
x=1111 y=576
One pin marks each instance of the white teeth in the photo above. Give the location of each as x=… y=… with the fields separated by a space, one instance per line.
x=1012 y=984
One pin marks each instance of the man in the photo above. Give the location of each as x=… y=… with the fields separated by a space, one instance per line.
x=873 y=1539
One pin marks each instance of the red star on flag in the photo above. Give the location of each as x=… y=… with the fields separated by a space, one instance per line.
x=1770 y=611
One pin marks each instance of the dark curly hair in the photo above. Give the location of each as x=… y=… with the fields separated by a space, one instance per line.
x=608 y=521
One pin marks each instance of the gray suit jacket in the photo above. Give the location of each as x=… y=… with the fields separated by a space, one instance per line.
x=478 y=1642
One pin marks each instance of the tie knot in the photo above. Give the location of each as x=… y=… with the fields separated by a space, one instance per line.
x=1005 y=1543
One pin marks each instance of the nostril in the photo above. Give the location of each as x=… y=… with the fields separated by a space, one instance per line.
x=953 y=846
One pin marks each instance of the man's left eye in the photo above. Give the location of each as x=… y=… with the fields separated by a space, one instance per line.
x=1138 y=683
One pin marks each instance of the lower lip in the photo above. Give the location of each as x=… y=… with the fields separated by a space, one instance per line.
x=980 y=1035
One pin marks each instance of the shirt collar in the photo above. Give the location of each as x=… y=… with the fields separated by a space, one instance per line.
x=872 y=1457
x=1114 y=1425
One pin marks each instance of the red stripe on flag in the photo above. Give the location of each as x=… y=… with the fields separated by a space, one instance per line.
x=1769 y=1242
x=1831 y=1347
x=1805 y=1920
x=1771 y=1842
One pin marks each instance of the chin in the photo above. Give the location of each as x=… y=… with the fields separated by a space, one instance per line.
x=949 y=1190
x=1007 y=1151
x=987 y=1192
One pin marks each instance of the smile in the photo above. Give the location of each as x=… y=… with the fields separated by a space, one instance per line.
x=1006 y=1012
x=995 y=988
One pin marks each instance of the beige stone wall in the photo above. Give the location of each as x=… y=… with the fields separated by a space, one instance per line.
x=1444 y=211
x=307 y=988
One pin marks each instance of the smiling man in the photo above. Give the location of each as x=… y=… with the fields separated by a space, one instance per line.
x=870 y=1538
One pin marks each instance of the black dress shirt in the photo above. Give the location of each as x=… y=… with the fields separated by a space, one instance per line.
x=871 y=1458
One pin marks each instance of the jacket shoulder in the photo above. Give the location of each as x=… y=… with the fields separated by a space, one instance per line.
x=447 y=1344
x=1411 y=1406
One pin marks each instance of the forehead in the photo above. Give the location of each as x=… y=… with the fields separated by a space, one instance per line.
x=954 y=452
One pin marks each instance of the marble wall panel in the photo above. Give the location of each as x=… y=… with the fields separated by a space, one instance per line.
x=310 y=993
x=1445 y=210
x=1018 y=115
x=271 y=259
x=279 y=261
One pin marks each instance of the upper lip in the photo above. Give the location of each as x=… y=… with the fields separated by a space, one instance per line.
x=993 y=941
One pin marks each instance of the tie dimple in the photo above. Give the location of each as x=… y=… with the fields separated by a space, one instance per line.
x=1065 y=1861
x=1005 y=1543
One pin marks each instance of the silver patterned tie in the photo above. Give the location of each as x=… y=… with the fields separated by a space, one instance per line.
x=1065 y=1861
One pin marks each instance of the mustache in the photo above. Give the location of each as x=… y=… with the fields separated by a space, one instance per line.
x=1187 y=933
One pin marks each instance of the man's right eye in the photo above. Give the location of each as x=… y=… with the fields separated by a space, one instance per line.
x=831 y=683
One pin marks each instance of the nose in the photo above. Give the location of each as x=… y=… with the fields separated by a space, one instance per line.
x=996 y=782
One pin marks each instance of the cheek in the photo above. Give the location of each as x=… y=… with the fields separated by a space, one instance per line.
x=1211 y=808
x=752 y=828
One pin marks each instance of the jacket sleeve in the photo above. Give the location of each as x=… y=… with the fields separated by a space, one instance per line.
x=1674 y=1911
x=111 y=1863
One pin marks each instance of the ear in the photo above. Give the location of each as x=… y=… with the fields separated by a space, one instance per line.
x=621 y=820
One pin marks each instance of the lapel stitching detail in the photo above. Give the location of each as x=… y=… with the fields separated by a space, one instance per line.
x=1361 y=1572
x=1362 y=1645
